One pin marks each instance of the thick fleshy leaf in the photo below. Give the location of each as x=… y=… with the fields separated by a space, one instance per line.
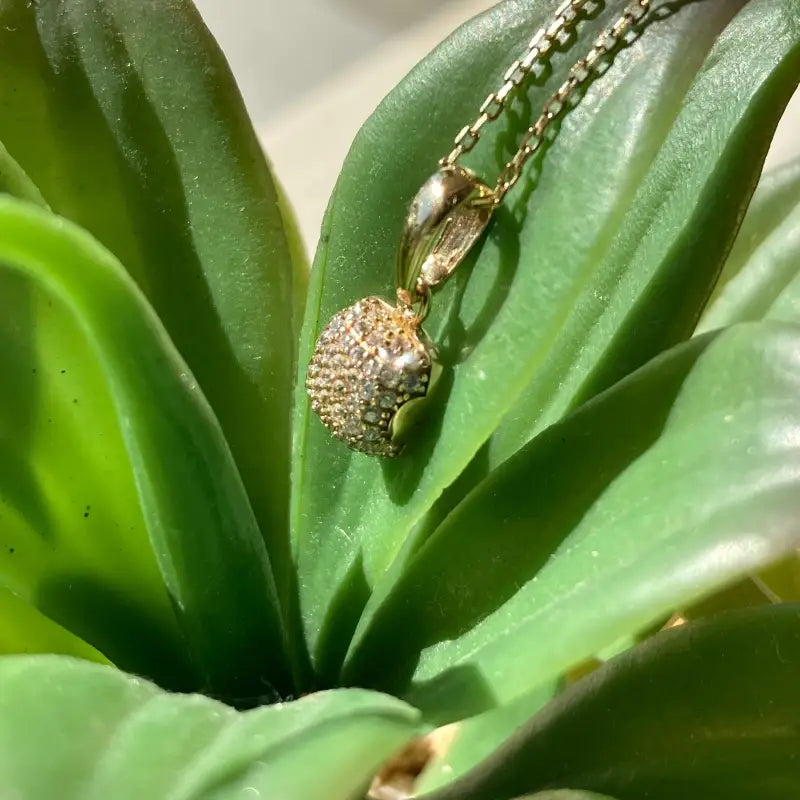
x=186 y=491
x=475 y=738
x=15 y=181
x=55 y=551
x=83 y=732
x=683 y=477
x=23 y=629
x=126 y=116
x=709 y=709
x=566 y=794
x=603 y=256
x=765 y=259
x=73 y=542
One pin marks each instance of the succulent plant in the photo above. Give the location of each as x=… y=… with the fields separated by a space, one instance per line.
x=577 y=580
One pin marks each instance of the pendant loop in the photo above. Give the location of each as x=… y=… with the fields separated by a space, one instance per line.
x=445 y=219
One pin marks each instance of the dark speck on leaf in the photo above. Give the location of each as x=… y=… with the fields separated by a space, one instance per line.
x=63 y=372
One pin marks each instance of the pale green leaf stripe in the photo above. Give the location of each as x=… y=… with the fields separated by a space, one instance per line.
x=692 y=480
x=786 y=305
x=106 y=734
x=766 y=258
x=200 y=523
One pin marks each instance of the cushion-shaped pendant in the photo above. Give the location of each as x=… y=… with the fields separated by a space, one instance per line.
x=369 y=362
x=373 y=360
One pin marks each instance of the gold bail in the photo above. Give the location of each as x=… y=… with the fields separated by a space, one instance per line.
x=445 y=219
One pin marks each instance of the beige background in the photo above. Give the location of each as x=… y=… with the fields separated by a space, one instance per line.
x=307 y=65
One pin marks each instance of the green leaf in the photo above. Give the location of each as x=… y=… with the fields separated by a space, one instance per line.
x=566 y=794
x=604 y=256
x=83 y=732
x=72 y=537
x=709 y=709
x=126 y=116
x=213 y=561
x=477 y=737
x=23 y=629
x=51 y=551
x=683 y=477
x=14 y=180
x=765 y=259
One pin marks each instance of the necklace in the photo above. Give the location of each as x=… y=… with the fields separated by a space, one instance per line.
x=373 y=362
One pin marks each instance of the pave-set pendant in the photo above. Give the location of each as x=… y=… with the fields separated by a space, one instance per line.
x=368 y=363
x=372 y=361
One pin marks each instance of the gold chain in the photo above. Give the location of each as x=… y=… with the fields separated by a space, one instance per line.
x=372 y=358
x=538 y=51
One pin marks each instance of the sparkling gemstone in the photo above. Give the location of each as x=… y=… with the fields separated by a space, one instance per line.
x=388 y=400
x=371 y=415
x=351 y=427
x=412 y=383
x=371 y=367
x=407 y=361
x=390 y=378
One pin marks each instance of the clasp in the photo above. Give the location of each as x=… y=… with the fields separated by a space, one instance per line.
x=445 y=219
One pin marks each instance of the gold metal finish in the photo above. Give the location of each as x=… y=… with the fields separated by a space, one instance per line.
x=372 y=361
x=539 y=50
x=446 y=218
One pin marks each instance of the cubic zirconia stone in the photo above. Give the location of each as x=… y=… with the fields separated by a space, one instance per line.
x=388 y=400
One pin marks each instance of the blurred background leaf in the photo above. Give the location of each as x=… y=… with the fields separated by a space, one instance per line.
x=475 y=738
x=59 y=557
x=708 y=709
x=154 y=462
x=23 y=629
x=98 y=728
x=127 y=118
x=15 y=181
x=566 y=794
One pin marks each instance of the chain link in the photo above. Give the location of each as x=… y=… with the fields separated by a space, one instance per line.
x=538 y=51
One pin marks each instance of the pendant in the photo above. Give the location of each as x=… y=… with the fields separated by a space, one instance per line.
x=369 y=362
x=373 y=361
